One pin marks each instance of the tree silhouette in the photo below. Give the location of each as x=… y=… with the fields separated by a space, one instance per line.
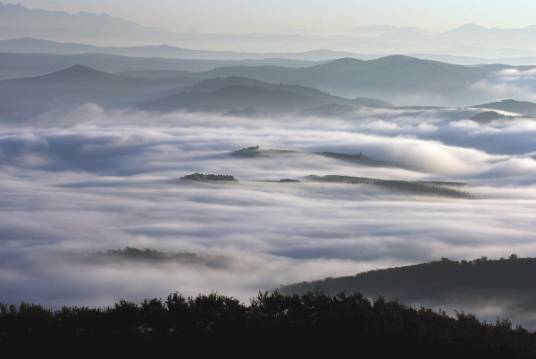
x=308 y=324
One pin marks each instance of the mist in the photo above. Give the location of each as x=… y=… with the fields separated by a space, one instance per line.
x=96 y=180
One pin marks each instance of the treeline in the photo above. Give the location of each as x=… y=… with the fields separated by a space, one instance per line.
x=208 y=177
x=272 y=323
x=425 y=188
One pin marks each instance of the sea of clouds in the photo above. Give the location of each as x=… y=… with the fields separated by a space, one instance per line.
x=94 y=180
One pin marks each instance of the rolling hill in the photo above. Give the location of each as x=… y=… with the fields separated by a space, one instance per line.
x=239 y=93
x=483 y=282
x=23 y=98
x=162 y=91
x=400 y=80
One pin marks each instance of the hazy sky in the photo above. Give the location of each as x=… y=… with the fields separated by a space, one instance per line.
x=316 y=15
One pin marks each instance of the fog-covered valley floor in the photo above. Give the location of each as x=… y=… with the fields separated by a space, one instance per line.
x=77 y=190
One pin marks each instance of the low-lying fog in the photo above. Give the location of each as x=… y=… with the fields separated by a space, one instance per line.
x=75 y=187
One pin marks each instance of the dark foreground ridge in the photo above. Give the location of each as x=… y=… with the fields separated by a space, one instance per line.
x=272 y=322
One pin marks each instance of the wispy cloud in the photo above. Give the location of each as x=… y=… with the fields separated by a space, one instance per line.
x=510 y=83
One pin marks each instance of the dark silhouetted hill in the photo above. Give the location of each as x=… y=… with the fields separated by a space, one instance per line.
x=308 y=325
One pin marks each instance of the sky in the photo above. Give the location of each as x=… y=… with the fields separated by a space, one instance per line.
x=310 y=15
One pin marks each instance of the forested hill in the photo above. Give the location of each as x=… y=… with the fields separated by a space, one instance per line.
x=443 y=282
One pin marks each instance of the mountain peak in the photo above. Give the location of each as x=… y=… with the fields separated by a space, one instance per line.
x=512 y=101
x=76 y=73
x=79 y=70
x=394 y=60
x=469 y=27
x=342 y=63
x=346 y=60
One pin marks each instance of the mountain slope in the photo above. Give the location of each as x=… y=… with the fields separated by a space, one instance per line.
x=504 y=283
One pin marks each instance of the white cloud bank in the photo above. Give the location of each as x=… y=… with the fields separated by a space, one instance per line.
x=107 y=180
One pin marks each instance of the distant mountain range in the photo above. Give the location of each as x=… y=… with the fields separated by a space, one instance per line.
x=397 y=79
x=32 y=45
x=472 y=40
x=19 y=21
x=476 y=35
x=251 y=90
x=26 y=65
x=39 y=46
